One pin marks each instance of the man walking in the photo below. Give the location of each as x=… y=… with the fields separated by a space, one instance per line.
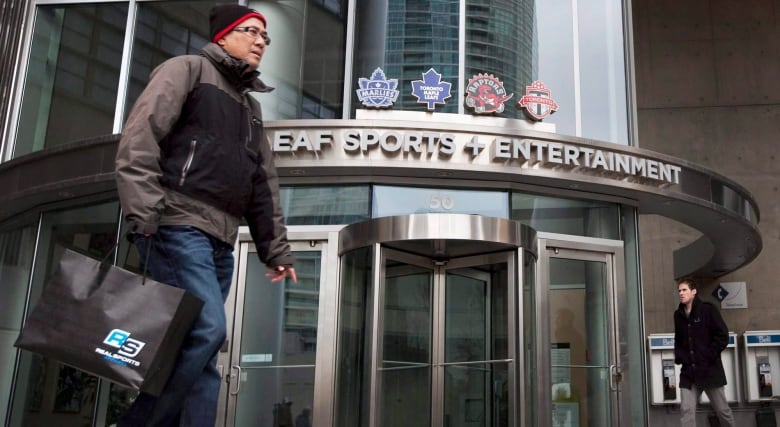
x=192 y=161
x=700 y=335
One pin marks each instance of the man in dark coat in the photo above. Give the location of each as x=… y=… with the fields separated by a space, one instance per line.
x=700 y=335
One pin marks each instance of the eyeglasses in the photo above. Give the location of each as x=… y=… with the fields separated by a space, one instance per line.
x=254 y=32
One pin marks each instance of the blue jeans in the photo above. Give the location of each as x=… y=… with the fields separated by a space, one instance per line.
x=187 y=258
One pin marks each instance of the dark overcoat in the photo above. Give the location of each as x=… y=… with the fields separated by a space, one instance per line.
x=698 y=341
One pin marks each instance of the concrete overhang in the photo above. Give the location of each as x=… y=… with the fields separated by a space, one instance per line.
x=411 y=148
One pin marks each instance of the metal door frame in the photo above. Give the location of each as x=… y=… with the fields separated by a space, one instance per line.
x=551 y=245
x=301 y=238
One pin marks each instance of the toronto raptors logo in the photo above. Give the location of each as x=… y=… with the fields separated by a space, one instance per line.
x=537 y=102
x=485 y=94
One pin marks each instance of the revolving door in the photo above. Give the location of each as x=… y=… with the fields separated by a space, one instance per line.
x=428 y=323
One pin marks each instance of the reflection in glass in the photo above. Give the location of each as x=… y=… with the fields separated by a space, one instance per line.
x=305 y=63
x=278 y=344
x=72 y=78
x=406 y=38
x=38 y=400
x=579 y=337
x=389 y=201
x=580 y=54
x=16 y=253
x=325 y=205
x=405 y=372
x=354 y=339
x=567 y=216
x=163 y=30
x=500 y=36
x=476 y=394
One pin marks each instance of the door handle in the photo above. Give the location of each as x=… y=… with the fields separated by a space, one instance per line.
x=614 y=376
x=237 y=378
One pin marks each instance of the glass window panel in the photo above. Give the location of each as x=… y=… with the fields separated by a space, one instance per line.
x=500 y=41
x=72 y=76
x=16 y=254
x=163 y=30
x=567 y=216
x=602 y=66
x=407 y=321
x=389 y=201
x=405 y=39
x=579 y=338
x=354 y=338
x=305 y=61
x=476 y=320
x=279 y=344
x=325 y=205
x=47 y=392
x=585 y=71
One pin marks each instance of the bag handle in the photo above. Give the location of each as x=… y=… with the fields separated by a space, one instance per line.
x=104 y=265
x=146 y=261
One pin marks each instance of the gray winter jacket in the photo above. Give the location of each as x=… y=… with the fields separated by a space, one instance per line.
x=193 y=152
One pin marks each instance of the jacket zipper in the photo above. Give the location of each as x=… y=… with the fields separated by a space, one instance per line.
x=188 y=163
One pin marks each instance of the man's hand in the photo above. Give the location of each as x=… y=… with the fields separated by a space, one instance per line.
x=281 y=272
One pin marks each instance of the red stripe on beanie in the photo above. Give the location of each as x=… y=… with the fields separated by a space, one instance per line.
x=235 y=23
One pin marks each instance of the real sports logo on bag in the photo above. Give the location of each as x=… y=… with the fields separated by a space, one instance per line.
x=128 y=348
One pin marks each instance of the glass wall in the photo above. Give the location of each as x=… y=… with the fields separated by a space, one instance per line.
x=406 y=38
x=48 y=393
x=576 y=48
x=305 y=61
x=16 y=254
x=314 y=205
x=501 y=40
x=567 y=216
x=163 y=30
x=72 y=75
x=581 y=60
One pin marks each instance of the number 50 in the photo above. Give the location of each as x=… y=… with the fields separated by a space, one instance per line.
x=443 y=201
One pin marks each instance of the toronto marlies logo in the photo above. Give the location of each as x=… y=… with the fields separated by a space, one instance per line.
x=431 y=90
x=485 y=94
x=537 y=102
x=378 y=91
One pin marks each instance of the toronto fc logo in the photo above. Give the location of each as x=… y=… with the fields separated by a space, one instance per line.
x=537 y=102
x=485 y=94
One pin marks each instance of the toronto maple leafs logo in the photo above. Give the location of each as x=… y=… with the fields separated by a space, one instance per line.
x=485 y=94
x=537 y=102
x=378 y=91
x=431 y=90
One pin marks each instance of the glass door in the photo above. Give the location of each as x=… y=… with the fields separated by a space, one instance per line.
x=443 y=345
x=578 y=313
x=271 y=374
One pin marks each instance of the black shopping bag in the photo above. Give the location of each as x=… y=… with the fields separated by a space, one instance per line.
x=110 y=322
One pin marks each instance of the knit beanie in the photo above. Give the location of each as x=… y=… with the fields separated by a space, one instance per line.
x=225 y=17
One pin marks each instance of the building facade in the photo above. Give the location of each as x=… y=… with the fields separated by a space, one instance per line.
x=489 y=202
